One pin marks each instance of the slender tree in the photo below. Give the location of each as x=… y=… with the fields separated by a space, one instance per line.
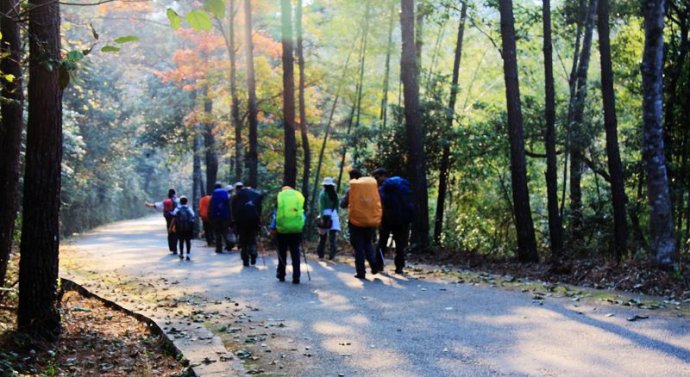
x=555 y=230
x=578 y=139
x=611 y=125
x=290 y=166
x=416 y=160
x=211 y=155
x=527 y=246
x=302 y=106
x=662 y=241
x=235 y=105
x=445 y=157
x=253 y=155
x=37 y=313
x=386 y=75
x=11 y=127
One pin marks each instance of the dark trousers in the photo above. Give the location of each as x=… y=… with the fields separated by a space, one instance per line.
x=185 y=239
x=220 y=229
x=172 y=237
x=360 y=239
x=332 y=235
x=247 y=243
x=288 y=241
x=401 y=235
x=208 y=232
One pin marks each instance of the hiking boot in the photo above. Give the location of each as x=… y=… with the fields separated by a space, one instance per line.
x=360 y=276
x=399 y=271
x=174 y=252
x=245 y=263
x=188 y=257
x=295 y=281
x=280 y=279
x=253 y=260
x=181 y=257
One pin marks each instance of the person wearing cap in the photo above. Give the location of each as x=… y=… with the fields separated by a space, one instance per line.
x=246 y=213
x=328 y=207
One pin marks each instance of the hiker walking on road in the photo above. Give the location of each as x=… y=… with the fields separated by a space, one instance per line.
x=219 y=215
x=204 y=203
x=167 y=205
x=398 y=213
x=246 y=212
x=329 y=221
x=183 y=225
x=288 y=223
x=362 y=198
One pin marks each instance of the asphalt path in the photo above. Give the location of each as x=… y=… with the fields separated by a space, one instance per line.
x=387 y=325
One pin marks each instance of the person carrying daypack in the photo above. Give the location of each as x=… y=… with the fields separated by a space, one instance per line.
x=364 y=216
x=168 y=206
x=219 y=216
x=329 y=221
x=246 y=212
x=183 y=225
x=398 y=213
x=204 y=203
x=288 y=223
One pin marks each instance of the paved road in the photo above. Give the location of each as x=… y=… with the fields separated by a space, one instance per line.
x=386 y=326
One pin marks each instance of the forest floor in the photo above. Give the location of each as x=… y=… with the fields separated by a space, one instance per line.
x=96 y=340
x=121 y=345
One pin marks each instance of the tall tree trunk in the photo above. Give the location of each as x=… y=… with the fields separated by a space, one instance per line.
x=662 y=241
x=445 y=157
x=235 y=105
x=527 y=246
x=344 y=146
x=578 y=139
x=38 y=267
x=290 y=166
x=302 y=105
x=420 y=13
x=383 y=115
x=197 y=187
x=555 y=230
x=365 y=38
x=611 y=124
x=210 y=144
x=253 y=155
x=416 y=159
x=11 y=129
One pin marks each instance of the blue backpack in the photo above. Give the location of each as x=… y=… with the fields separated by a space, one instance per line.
x=219 y=209
x=396 y=199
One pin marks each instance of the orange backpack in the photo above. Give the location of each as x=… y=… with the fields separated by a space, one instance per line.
x=364 y=203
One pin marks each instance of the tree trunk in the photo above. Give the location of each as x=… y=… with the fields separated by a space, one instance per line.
x=302 y=105
x=611 y=124
x=416 y=159
x=290 y=166
x=445 y=157
x=344 y=147
x=365 y=37
x=197 y=187
x=555 y=230
x=383 y=115
x=235 y=105
x=578 y=140
x=11 y=129
x=527 y=246
x=662 y=241
x=210 y=144
x=419 y=34
x=38 y=267
x=253 y=155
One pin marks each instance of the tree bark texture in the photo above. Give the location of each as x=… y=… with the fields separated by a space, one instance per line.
x=253 y=154
x=363 y=55
x=210 y=148
x=197 y=187
x=527 y=247
x=445 y=157
x=38 y=267
x=555 y=227
x=416 y=160
x=383 y=115
x=578 y=139
x=618 y=197
x=290 y=166
x=662 y=241
x=302 y=106
x=10 y=129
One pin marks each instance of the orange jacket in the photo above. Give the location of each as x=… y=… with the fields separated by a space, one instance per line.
x=203 y=207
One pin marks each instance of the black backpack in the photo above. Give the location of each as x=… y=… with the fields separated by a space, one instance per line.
x=246 y=207
x=184 y=220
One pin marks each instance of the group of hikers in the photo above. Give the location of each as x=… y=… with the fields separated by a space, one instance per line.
x=231 y=215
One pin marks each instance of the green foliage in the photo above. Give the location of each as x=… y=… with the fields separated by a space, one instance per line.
x=199 y=20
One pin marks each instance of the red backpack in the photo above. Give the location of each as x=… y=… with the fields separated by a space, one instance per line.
x=168 y=207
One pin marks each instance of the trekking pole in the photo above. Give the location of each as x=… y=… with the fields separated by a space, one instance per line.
x=263 y=250
x=390 y=280
x=305 y=259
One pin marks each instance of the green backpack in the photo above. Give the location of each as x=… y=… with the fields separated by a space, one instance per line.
x=290 y=213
